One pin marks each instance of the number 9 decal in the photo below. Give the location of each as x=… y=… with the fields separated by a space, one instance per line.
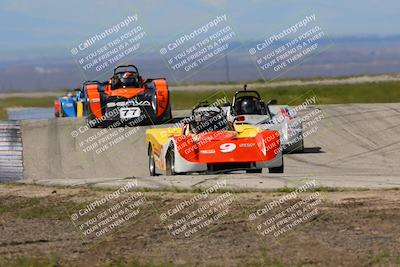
x=227 y=147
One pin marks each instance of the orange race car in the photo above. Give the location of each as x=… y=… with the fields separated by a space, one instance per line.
x=127 y=99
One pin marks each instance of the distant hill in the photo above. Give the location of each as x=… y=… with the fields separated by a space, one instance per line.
x=344 y=56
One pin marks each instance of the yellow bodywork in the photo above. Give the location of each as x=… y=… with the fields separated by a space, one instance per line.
x=246 y=130
x=79 y=109
x=159 y=136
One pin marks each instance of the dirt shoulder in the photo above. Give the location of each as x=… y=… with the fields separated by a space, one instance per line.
x=358 y=228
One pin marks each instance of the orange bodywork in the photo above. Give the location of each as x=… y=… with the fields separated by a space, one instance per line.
x=223 y=146
x=124 y=92
x=56 y=106
x=162 y=96
x=94 y=99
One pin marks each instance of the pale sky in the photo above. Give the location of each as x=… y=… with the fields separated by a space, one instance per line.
x=28 y=26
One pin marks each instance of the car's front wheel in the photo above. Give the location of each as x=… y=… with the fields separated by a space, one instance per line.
x=152 y=164
x=170 y=161
x=254 y=171
x=277 y=169
x=300 y=147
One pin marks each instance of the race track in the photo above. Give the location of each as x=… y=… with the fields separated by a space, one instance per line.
x=354 y=145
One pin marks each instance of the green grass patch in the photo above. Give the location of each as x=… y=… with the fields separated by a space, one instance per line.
x=22 y=202
x=381 y=256
x=28 y=262
x=198 y=190
x=37 y=208
x=137 y=263
x=33 y=262
x=277 y=80
x=321 y=189
x=264 y=263
x=17 y=102
x=382 y=92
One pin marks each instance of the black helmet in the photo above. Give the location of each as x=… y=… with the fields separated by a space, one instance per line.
x=128 y=79
x=249 y=105
x=208 y=120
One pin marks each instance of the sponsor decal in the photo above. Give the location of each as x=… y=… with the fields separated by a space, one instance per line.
x=247 y=145
x=129 y=103
x=135 y=102
x=209 y=151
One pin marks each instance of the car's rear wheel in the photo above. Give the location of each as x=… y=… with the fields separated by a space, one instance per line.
x=152 y=164
x=170 y=161
x=277 y=169
x=300 y=148
x=61 y=112
x=167 y=116
x=254 y=171
x=297 y=147
x=92 y=124
x=90 y=120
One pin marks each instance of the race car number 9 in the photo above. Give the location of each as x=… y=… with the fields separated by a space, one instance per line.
x=227 y=147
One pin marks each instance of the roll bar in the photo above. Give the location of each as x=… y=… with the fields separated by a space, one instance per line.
x=126 y=66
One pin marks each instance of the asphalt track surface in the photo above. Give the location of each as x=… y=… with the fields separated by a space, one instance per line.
x=347 y=146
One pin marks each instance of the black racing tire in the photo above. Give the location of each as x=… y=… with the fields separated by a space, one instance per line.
x=95 y=123
x=297 y=148
x=279 y=169
x=90 y=122
x=152 y=164
x=167 y=116
x=301 y=146
x=170 y=162
x=61 y=113
x=254 y=171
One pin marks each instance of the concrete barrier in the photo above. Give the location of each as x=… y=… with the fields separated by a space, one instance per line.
x=66 y=148
x=11 y=167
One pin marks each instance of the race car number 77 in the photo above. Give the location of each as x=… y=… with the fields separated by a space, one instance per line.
x=127 y=113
